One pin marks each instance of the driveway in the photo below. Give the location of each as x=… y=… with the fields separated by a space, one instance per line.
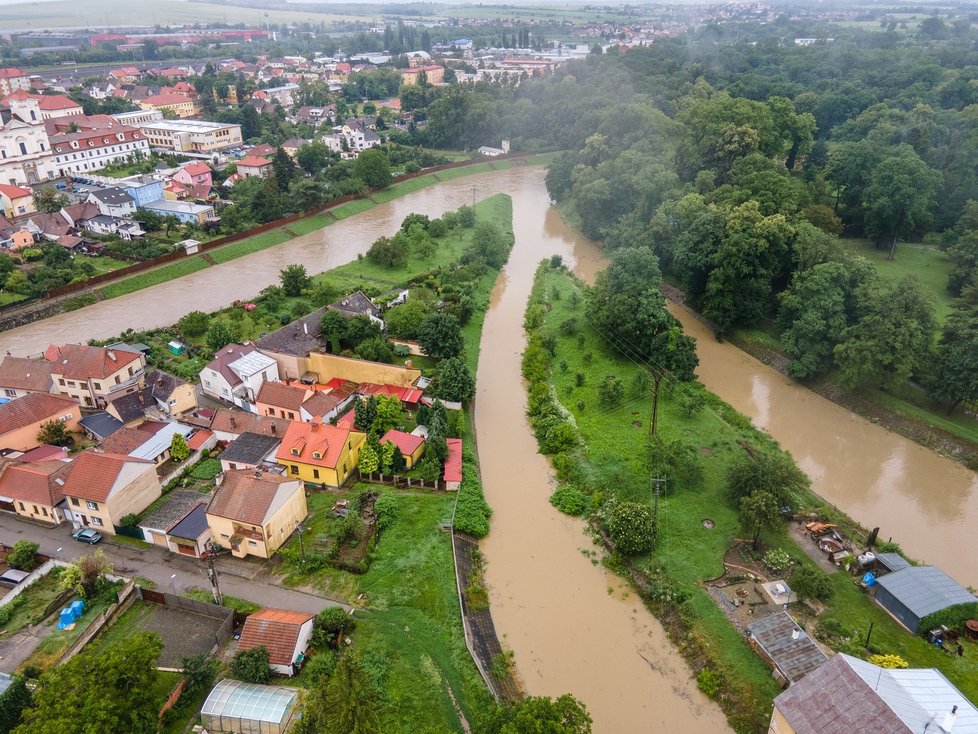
x=238 y=577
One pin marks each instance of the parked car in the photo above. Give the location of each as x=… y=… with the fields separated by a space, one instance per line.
x=61 y=186
x=87 y=535
x=11 y=577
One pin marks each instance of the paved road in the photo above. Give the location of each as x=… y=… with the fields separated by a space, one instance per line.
x=245 y=579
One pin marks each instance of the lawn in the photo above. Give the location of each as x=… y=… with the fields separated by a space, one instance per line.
x=49 y=652
x=412 y=634
x=105 y=264
x=232 y=602
x=311 y=224
x=250 y=245
x=7 y=297
x=351 y=207
x=404 y=187
x=453 y=173
x=929 y=264
x=154 y=277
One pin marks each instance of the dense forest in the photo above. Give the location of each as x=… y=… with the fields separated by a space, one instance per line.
x=749 y=169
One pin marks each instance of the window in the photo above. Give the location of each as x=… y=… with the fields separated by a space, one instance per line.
x=130 y=371
x=117 y=380
x=291 y=416
x=98 y=385
x=74 y=501
x=251 y=542
x=61 y=382
x=294 y=469
x=35 y=509
x=70 y=383
x=21 y=505
x=23 y=147
x=10 y=393
x=225 y=536
x=224 y=390
x=97 y=521
x=44 y=511
x=315 y=473
x=295 y=451
x=91 y=505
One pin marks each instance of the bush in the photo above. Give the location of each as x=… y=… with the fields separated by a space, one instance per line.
x=471 y=510
x=251 y=666
x=810 y=583
x=570 y=500
x=387 y=511
x=206 y=469
x=632 y=528
x=611 y=393
x=952 y=617
x=335 y=620
x=888 y=661
x=709 y=681
x=129 y=521
x=24 y=555
x=777 y=560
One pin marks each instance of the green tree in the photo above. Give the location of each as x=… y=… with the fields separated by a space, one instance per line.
x=538 y=715
x=365 y=413
x=954 y=378
x=488 y=245
x=333 y=328
x=49 y=199
x=388 y=454
x=86 y=575
x=391 y=252
x=294 y=279
x=178 y=448
x=632 y=527
x=892 y=340
x=455 y=382
x=251 y=666
x=199 y=670
x=55 y=433
x=772 y=473
x=759 y=511
x=899 y=195
x=441 y=336
x=389 y=414
x=313 y=157
x=352 y=701
x=193 y=324
x=369 y=461
x=306 y=194
x=13 y=701
x=23 y=556
x=112 y=689
x=377 y=349
x=404 y=321
x=466 y=216
x=219 y=335
x=810 y=583
x=283 y=169
x=373 y=168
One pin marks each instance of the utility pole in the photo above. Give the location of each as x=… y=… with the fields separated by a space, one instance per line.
x=210 y=555
x=302 y=548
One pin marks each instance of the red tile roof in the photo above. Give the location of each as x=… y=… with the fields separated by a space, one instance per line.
x=124 y=441
x=196 y=169
x=164 y=100
x=346 y=420
x=33 y=408
x=453 y=464
x=20 y=373
x=14 y=192
x=56 y=102
x=252 y=161
x=238 y=422
x=280 y=395
x=277 y=630
x=39 y=482
x=11 y=72
x=44 y=452
x=407 y=443
x=247 y=498
x=81 y=362
x=302 y=440
x=198 y=439
x=93 y=474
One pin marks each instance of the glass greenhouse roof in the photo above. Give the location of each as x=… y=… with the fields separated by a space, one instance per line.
x=234 y=699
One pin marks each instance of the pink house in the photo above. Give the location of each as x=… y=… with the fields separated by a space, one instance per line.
x=196 y=178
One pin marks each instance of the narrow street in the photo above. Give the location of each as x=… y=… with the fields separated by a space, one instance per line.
x=245 y=579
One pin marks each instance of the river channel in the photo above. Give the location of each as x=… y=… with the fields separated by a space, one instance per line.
x=573 y=627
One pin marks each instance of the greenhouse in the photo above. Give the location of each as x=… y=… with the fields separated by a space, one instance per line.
x=248 y=708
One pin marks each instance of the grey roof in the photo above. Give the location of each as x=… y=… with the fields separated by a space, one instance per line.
x=925 y=589
x=190 y=527
x=101 y=425
x=163 y=384
x=133 y=405
x=174 y=509
x=355 y=304
x=297 y=338
x=794 y=656
x=834 y=699
x=112 y=196
x=892 y=561
x=250 y=448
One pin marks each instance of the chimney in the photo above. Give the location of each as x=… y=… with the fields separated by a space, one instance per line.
x=232 y=421
x=795 y=633
x=274 y=429
x=111 y=355
x=257 y=473
x=949 y=718
x=314 y=426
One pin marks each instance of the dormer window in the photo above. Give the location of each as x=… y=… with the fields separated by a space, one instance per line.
x=296 y=451
x=316 y=455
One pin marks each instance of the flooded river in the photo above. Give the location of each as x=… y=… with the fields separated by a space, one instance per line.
x=571 y=626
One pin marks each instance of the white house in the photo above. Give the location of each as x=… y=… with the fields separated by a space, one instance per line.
x=236 y=374
x=113 y=202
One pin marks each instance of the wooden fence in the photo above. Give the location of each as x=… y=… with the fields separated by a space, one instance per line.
x=395 y=480
x=260 y=229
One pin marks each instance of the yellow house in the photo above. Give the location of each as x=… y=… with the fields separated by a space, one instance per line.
x=177 y=104
x=254 y=512
x=103 y=488
x=410 y=445
x=16 y=201
x=320 y=454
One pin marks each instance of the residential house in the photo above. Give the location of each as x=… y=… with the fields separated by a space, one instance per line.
x=284 y=633
x=236 y=374
x=196 y=178
x=131 y=408
x=252 y=166
x=48 y=226
x=254 y=512
x=315 y=116
x=357 y=304
x=410 y=445
x=281 y=399
x=326 y=368
x=453 y=465
x=262 y=150
x=289 y=345
x=151 y=441
x=91 y=375
x=325 y=405
x=144 y=190
x=127 y=229
x=178 y=105
x=320 y=454
x=179 y=524
x=185 y=211
x=785 y=647
x=16 y=200
x=12 y=79
x=848 y=695
x=20 y=376
x=249 y=451
x=292 y=145
x=33 y=490
x=82 y=144
x=14 y=237
x=113 y=202
x=164 y=395
x=125 y=75
x=228 y=425
x=21 y=418
x=433 y=73
x=103 y=488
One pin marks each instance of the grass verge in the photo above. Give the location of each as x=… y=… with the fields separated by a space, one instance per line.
x=154 y=277
x=250 y=245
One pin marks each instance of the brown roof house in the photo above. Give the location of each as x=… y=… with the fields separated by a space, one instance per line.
x=92 y=375
x=785 y=646
x=102 y=488
x=164 y=395
x=297 y=402
x=849 y=696
x=357 y=304
x=284 y=633
x=21 y=419
x=34 y=490
x=254 y=512
x=179 y=524
x=294 y=341
x=19 y=376
x=228 y=425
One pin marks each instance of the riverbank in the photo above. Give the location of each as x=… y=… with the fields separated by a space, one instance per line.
x=699 y=439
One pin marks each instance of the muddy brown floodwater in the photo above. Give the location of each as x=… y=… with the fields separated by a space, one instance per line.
x=571 y=625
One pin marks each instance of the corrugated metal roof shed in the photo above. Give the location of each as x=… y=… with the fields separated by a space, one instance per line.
x=892 y=561
x=925 y=589
x=787 y=645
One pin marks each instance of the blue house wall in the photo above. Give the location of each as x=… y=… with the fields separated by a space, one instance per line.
x=145 y=193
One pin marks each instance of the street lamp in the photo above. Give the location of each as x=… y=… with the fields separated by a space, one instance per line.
x=173 y=581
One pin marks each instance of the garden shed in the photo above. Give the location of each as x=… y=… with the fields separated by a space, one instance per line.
x=912 y=593
x=234 y=707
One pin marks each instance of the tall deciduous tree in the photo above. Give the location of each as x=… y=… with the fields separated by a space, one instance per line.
x=455 y=382
x=294 y=279
x=440 y=336
x=955 y=372
x=373 y=168
x=759 y=511
x=108 y=690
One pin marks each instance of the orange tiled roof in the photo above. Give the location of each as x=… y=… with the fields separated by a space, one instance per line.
x=33 y=408
x=302 y=440
x=81 y=362
x=93 y=474
x=281 y=395
x=37 y=483
x=277 y=630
